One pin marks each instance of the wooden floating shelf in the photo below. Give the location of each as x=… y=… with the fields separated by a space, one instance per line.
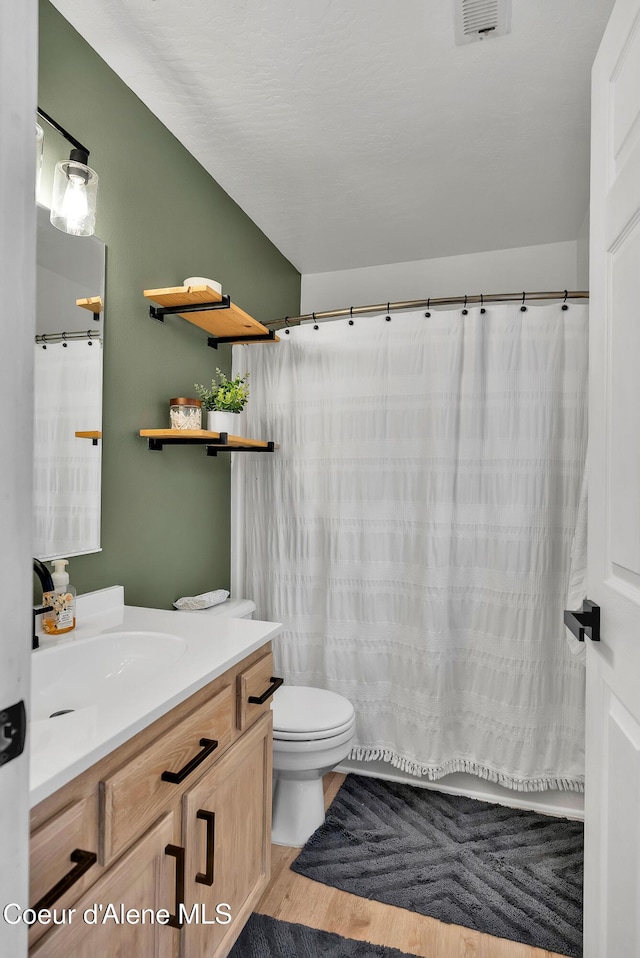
x=93 y=434
x=214 y=441
x=227 y=324
x=93 y=303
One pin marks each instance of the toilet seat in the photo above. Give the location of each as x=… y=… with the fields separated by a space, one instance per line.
x=304 y=748
x=280 y=736
x=308 y=714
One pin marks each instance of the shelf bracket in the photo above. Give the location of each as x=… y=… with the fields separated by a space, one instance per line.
x=159 y=312
x=215 y=341
x=213 y=450
x=212 y=446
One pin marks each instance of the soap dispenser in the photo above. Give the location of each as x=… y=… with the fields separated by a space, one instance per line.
x=60 y=605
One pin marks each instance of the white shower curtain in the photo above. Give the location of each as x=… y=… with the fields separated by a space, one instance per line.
x=413 y=532
x=66 y=476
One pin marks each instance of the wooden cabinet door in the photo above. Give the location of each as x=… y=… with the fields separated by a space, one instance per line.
x=226 y=820
x=144 y=878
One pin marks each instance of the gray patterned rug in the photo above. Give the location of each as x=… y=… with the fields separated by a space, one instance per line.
x=264 y=937
x=508 y=872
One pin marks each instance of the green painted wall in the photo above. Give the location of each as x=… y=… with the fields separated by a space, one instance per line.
x=165 y=515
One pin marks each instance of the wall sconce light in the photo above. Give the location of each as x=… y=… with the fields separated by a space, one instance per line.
x=75 y=187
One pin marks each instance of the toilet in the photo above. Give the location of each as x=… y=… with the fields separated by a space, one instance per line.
x=313 y=732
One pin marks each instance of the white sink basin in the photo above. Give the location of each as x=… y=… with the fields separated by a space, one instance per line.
x=98 y=669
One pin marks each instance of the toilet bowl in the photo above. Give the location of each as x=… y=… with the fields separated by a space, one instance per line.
x=313 y=732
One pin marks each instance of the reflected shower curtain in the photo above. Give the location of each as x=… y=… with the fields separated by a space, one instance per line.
x=413 y=532
x=66 y=473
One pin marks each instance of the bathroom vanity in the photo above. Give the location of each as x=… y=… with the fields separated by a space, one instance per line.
x=161 y=842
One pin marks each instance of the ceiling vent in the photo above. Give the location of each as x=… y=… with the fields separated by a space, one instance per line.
x=481 y=19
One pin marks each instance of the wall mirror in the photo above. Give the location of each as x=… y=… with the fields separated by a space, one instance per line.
x=68 y=392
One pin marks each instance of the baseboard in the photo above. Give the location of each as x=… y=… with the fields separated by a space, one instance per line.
x=552 y=802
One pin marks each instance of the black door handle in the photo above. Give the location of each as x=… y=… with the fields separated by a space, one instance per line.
x=584 y=622
x=206 y=877
x=177 y=852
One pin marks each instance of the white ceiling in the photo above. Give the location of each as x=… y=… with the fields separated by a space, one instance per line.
x=356 y=133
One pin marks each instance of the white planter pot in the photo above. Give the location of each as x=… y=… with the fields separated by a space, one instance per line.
x=228 y=422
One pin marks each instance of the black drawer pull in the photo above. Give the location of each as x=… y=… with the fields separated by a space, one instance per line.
x=261 y=699
x=84 y=861
x=206 y=877
x=177 y=852
x=209 y=745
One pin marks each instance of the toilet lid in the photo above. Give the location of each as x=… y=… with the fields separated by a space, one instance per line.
x=298 y=709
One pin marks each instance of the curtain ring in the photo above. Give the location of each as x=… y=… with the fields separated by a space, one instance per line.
x=351 y=314
x=523 y=308
x=286 y=323
x=564 y=302
x=428 y=314
x=482 y=309
x=464 y=308
x=314 y=320
x=64 y=338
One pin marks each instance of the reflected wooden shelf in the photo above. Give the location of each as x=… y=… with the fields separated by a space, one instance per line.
x=215 y=442
x=218 y=316
x=93 y=434
x=92 y=303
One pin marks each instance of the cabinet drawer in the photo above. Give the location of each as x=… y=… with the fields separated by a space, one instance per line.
x=136 y=794
x=61 y=853
x=254 y=682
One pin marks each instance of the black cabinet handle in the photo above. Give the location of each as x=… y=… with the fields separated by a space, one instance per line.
x=177 y=852
x=84 y=861
x=206 y=877
x=586 y=621
x=209 y=745
x=261 y=699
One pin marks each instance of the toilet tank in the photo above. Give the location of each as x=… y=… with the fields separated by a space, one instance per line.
x=232 y=608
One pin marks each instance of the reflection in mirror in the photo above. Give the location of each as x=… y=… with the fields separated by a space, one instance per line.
x=68 y=392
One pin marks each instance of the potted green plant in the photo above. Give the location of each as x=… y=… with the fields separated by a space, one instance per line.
x=224 y=400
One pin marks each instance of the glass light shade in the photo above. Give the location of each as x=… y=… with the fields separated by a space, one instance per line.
x=73 y=201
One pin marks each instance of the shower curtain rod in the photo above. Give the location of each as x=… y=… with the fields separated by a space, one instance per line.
x=480 y=298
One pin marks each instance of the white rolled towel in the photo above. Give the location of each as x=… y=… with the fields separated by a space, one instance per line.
x=192 y=603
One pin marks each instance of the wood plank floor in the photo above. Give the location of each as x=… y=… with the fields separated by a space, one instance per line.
x=293 y=897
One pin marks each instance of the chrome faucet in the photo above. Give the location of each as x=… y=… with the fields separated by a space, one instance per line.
x=46 y=582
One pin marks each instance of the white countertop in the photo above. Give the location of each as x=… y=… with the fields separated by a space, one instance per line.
x=65 y=746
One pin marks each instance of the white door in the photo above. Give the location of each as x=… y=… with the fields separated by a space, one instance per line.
x=612 y=799
x=18 y=73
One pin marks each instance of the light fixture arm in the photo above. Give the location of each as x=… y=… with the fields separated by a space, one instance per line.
x=70 y=139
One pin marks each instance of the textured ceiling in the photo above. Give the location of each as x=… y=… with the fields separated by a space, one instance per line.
x=356 y=133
